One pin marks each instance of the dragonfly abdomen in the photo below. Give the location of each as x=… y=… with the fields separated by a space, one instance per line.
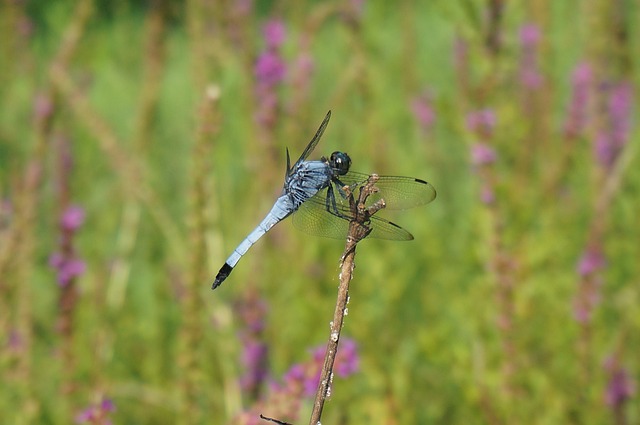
x=281 y=210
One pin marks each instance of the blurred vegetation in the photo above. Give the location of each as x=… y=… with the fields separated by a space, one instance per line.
x=516 y=303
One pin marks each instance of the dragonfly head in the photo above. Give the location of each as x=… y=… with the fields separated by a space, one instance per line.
x=340 y=163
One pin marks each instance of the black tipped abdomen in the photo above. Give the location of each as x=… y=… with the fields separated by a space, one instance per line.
x=224 y=272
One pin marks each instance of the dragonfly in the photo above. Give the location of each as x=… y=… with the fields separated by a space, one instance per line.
x=316 y=194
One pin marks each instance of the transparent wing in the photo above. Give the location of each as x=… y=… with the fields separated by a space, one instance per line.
x=398 y=192
x=312 y=144
x=313 y=218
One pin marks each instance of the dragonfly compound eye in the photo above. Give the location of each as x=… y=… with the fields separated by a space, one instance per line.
x=340 y=162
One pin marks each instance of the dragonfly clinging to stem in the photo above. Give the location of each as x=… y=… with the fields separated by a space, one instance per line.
x=314 y=193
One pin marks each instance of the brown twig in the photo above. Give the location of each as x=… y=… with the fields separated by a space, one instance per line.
x=358 y=230
x=265 y=418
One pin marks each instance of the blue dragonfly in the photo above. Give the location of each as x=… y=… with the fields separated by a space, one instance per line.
x=316 y=193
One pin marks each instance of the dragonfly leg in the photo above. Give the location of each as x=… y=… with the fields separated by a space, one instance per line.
x=332 y=206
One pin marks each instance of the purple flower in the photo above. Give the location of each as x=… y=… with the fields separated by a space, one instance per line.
x=423 y=111
x=604 y=149
x=620 y=387
x=620 y=105
x=482 y=121
x=301 y=380
x=254 y=358
x=294 y=374
x=310 y=384
x=591 y=261
x=270 y=68
x=581 y=80
x=483 y=154
x=529 y=73
x=274 y=33
x=72 y=218
x=347 y=361
x=67 y=268
x=589 y=289
x=487 y=195
x=97 y=413
x=252 y=311
x=611 y=140
x=529 y=35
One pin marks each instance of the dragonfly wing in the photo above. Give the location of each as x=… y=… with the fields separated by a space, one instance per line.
x=398 y=192
x=312 y=144
x=385 y=229
x=313 y=218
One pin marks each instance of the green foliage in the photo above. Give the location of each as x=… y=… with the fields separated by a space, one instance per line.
x=473 y=322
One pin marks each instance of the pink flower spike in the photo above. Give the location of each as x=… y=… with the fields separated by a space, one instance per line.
x=72 y=218
x=423 y=111
x=529 y=35
x=482 y=121
x=483 y=154
x=591 y=261
x=274 y=33
x=270 y=69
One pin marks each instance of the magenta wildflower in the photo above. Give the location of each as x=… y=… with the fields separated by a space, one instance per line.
x=620 y=387
x=346 y=363
x=620 y=105
x=67 y=264
x=482 y=121
x=252 y=312
x=254 y=358
x=97 y=414
x=612 y=139
x=483 y=154
x=270 y=71
x=301 y=380
x=423 y=111
x=581 y=81
x=588 y=297
x=591 y=261
x=274 y=33
x=72 y=218
x=529 y=35
x=67 y=267
x=529 y=73
x=487 y=195
x=294 y=374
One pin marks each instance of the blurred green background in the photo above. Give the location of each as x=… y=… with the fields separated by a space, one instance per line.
x=141 y=141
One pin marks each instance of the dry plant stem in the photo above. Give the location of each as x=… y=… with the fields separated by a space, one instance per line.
x=358 y=230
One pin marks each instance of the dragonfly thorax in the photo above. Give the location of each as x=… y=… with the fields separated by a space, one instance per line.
x=340 y=163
